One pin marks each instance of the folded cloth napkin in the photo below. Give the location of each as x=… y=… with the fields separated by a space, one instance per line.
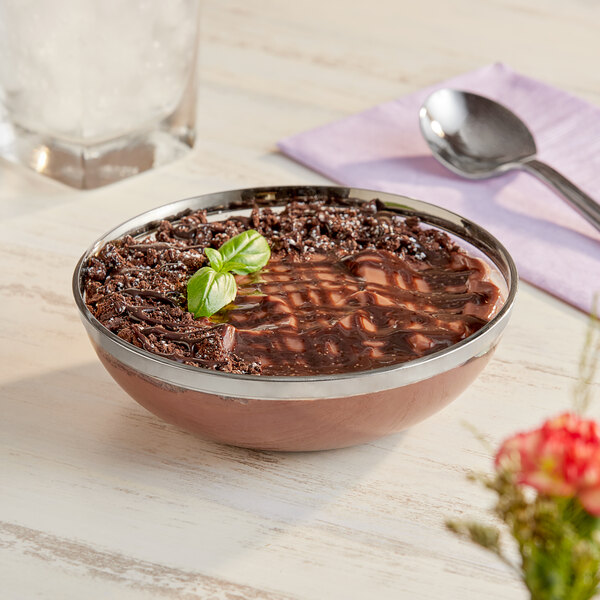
x=553 y=246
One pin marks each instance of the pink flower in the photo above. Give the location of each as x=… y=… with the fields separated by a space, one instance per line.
x=561 y=458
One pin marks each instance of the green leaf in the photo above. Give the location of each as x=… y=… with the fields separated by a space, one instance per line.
x=215 y=258
x=245 y=253
x=209 y=291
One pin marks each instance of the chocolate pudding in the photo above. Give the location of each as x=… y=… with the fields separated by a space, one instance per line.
x=349 y=287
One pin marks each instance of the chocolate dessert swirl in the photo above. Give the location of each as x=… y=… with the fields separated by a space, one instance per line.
x=348 y=288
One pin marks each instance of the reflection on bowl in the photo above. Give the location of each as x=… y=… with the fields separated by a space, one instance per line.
x=301 y=412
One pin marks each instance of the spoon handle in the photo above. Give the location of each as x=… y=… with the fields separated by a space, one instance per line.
x=587 y=207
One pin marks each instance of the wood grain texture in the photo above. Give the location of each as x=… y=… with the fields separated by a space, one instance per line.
x=102 y=500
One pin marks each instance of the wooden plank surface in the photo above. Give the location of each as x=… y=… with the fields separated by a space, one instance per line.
x=100 y=499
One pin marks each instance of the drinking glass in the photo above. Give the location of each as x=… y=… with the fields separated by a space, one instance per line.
x=93 y=91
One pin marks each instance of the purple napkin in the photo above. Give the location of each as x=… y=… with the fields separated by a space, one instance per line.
x=553 y=246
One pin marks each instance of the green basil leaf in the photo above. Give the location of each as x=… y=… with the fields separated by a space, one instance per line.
x=245 y=253
x=215 y=258
x=209 y=291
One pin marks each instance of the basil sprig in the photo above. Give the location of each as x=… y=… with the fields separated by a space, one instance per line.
x=211 y=288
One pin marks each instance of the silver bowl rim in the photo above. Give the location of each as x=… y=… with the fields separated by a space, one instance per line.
x=428 y=211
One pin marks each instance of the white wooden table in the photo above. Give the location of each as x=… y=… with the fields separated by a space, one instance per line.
x=100 y=499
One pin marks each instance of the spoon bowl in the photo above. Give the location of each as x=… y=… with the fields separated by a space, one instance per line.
x=474 y=136
x=477 y=138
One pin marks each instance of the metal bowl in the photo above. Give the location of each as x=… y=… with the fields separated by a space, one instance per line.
x=301 y=413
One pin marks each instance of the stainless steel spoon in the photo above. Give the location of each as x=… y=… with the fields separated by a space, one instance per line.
x=477 y=138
